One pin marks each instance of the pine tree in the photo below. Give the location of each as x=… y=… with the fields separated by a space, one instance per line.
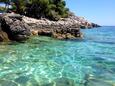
x=51 y=9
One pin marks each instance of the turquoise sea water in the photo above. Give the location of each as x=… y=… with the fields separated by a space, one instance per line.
x=44 y=61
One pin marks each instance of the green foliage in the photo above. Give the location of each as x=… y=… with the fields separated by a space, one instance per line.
x=6 y=2
x=19 y=6
x=51 y=9
x=2 y=8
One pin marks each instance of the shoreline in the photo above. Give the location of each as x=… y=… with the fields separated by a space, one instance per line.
x=19 y=28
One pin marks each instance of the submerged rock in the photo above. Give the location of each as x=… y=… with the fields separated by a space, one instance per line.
x=7 y=83
x=97 y=82
x=15 y=27
x=33 y=82
x=91 y=80
x=60 y=82
x=64 y=82
x=49 y=84
x=22 y=79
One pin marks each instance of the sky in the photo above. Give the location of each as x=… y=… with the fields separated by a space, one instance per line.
x=101 y=12
x=1 y=4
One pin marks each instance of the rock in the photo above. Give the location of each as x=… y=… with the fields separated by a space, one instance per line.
x=22 y=79
x=19 y=27
x=60 y=82
x=91 y=80
x=82 y=26
x=15 y=27
x=16 y=16
x=95 y=25
x=33 y=82
x=48 y=84
x=65 y=28
x=97 y=82
x=3 y=36
x=34 y=32
x=45 y=33
x=7 y=83
x=64 y=82
x=69 y=33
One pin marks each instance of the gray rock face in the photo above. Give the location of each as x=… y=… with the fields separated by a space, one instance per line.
x=65 y=28
x=15 y=27
x=62 y=29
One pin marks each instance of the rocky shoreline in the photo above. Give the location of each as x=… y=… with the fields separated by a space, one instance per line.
x=18 y=28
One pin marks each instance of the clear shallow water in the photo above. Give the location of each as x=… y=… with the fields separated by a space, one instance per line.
x=43 y=61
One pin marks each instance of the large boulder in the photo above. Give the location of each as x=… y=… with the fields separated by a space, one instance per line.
x=15 y=27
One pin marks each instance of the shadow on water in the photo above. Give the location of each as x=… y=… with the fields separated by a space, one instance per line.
x=76 y=40
x=104 y=42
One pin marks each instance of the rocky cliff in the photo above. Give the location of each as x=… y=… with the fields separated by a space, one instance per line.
x=20 y=27
x=65 y=28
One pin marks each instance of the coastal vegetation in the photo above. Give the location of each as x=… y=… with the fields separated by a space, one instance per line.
x=6 y=5
x=2 y=8
x=50 y=9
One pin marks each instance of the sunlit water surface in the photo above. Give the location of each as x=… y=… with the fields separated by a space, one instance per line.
x=43 y=61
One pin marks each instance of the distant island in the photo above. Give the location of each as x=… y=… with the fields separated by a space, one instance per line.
x=40 y=17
